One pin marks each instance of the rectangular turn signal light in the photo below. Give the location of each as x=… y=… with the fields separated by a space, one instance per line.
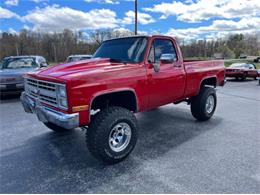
x=80 y=108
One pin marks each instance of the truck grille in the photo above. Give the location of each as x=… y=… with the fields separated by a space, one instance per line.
x=43 y=90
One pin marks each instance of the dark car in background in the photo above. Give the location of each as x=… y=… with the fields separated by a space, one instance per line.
x=12 y=70
x=75 y=58
x=241 y=70
x=257 y=59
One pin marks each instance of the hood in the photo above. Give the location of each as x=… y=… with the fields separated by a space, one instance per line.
x=13 y=75
x=82 y=67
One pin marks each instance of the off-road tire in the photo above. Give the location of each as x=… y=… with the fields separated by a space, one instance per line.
x=97 y=134
x=198 y=104
x=55 y=127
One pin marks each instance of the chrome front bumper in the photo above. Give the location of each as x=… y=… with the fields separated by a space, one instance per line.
x=45 y=114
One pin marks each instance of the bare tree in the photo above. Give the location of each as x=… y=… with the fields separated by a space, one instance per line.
x=57 y=46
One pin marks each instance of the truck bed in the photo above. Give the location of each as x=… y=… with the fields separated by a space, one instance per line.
x=197 y=69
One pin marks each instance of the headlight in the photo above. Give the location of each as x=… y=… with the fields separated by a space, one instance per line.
x=62 y=91
x=63 y=102
x=62 y=96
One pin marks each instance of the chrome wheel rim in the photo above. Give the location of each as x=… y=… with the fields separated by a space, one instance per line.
x=210 y=103
x=119 y=137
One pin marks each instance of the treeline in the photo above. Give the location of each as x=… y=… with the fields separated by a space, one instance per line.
x=55 y=47
x=233 y=46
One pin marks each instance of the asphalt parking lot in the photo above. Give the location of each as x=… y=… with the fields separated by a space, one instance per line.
x=174 y=154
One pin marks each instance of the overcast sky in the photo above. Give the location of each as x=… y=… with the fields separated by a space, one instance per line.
x=182 y=18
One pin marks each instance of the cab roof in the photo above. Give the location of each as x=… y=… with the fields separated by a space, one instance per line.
x=80 y=55
x=24 y=56
x=141 y=36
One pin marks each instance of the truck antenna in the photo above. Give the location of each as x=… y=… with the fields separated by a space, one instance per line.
x=135 y=17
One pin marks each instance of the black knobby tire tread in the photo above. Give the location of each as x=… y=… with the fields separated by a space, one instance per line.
x=55 y=128
x=198 y=104
x=98 y=126
x=98 y=123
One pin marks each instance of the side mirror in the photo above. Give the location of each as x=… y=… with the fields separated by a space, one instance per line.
x=168 y=58
x=156 y=67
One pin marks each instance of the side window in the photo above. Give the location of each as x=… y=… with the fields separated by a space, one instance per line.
x=159 y=47
x=42 y=61
x=163 y=46
x=251 y=66
x=39 y=60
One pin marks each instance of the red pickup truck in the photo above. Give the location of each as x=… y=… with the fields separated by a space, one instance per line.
x=125 y=76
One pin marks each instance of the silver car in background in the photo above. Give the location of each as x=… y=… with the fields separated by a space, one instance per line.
x=12 y=70
x=75 y=58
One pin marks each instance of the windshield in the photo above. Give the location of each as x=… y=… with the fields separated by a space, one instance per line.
x=239 y=65
x=16 y=63
x=130 y=50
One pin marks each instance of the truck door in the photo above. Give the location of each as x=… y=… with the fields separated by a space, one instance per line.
x=166 y=85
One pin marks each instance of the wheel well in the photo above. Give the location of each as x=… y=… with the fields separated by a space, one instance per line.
x=125 y=99
x=212 y=81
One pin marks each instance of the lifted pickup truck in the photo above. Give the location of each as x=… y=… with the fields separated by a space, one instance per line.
x=125 y=76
